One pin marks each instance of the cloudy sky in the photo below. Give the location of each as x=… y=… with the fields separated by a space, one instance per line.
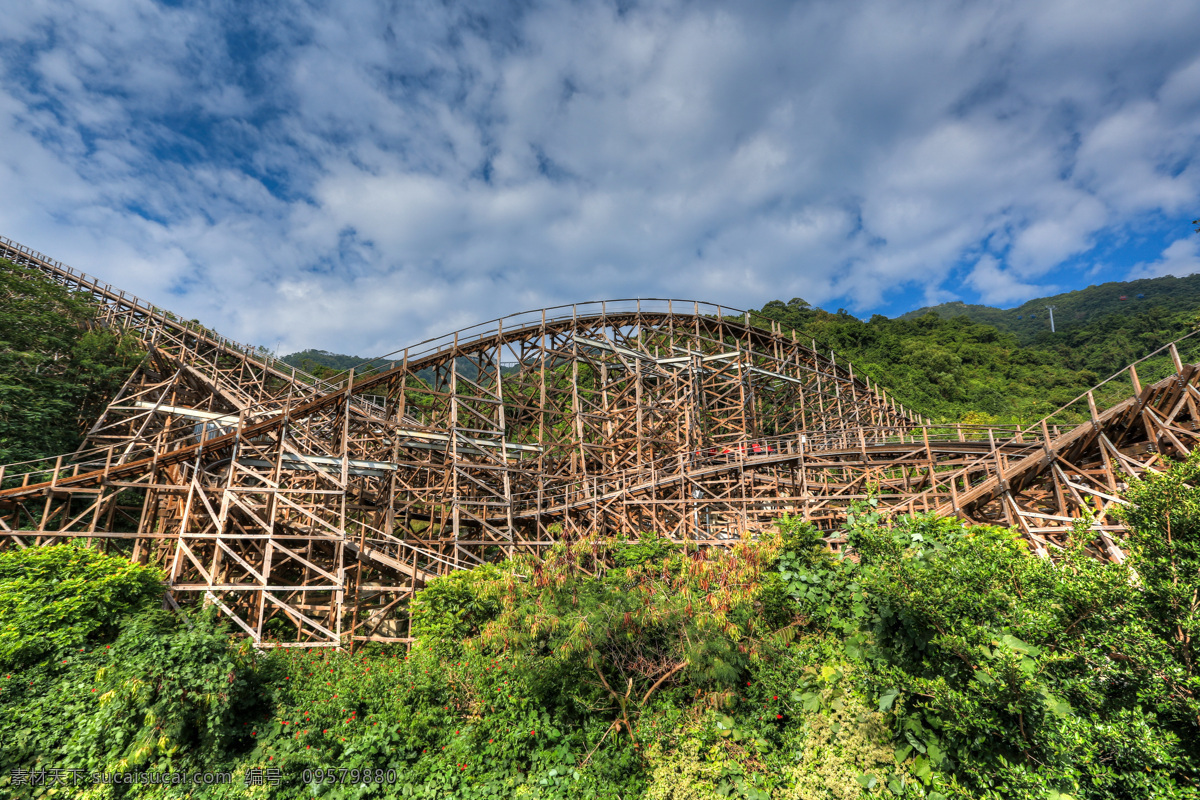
x=356 y=176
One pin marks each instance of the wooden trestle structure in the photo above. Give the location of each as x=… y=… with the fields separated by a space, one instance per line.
x=310 y=511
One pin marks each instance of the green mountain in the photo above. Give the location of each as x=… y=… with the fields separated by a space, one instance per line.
x=957 y=361
x=325 y=364
x=1079 y=308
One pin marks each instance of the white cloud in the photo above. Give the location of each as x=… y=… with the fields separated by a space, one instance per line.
x=357 y=178
x=1181 y=258
x=997 y=285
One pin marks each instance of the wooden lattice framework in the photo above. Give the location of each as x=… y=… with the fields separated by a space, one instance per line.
x=310 y=511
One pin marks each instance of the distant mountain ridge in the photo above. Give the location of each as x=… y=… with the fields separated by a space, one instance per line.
x=1077 y=308
x=324 y=364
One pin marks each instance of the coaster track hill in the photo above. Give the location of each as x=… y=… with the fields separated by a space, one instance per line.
x=310 y=510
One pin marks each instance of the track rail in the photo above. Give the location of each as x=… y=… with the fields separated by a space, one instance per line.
x=149 y=319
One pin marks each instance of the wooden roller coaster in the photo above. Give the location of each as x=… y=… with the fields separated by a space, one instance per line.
x=309 y=511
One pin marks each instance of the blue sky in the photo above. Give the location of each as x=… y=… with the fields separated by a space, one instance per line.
x=358 y=176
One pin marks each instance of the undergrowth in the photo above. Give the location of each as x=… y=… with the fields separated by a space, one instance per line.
x=928 y=661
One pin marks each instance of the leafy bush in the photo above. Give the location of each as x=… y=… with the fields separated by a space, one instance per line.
x=66 y=596
x=1007 y=672
x=1164 y=522
x=452 y=609
x=96 y=677
x=162 y=697
x=928 y=661
x=668 y=616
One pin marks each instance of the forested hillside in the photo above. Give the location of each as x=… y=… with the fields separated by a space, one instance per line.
x=56 y=369
x=951 y=367
x=324 y=364
x=1081 y=308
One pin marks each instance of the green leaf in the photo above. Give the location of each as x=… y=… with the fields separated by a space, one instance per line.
x=1058 y=706
x=888 y=698
x=983 y=677
x=1020 y=646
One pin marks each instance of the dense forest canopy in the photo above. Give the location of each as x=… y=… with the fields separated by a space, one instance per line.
x=324 y=364
x=951 y=367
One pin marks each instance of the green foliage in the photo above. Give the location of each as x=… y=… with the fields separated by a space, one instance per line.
x=1102 y=345
x=928 y=660
x=56 y=371
x=846 y=747
x=644 y=550
x=477 y=726
x=1164 y=522
x=452 y=609
x=170 y=689
x=802 y=728
x=945 y=368
x=66 y=596
x=629 y=630
x=97 y=678
x=1010 y=675
x=324 y=364
x=162 y=697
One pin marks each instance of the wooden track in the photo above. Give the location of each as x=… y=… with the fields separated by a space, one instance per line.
x=310 y=511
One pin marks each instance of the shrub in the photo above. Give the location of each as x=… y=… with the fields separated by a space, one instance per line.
x=66 y=596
